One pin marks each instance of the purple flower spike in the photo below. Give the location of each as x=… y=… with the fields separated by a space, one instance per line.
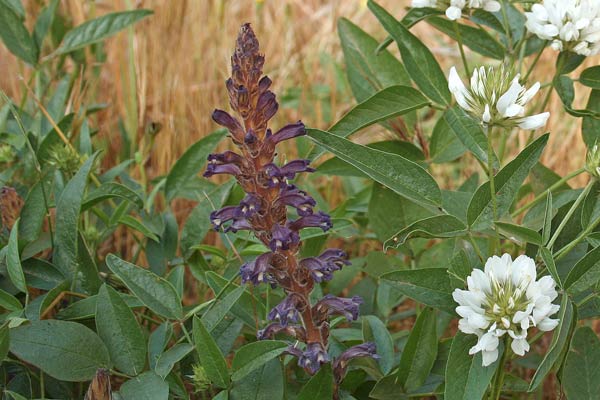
x=323 y=267
x=239 y=225
x=228 y=157
x=333 y=305
x=283 y=238
x=267 y=105
x=287 y=310
x=276 y=328
x=298 y=199
x=287 y=132
x=319 y=220
x=257 y=271
x=313 y=357
x=340 y=364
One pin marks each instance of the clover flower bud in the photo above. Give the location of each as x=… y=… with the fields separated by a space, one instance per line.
x=570 y=25
x=505 y=298
x=496 y=98
x=592 y=164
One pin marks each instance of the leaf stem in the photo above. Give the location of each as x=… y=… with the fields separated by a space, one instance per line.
x=565 y=250
x=570 y=213
x=535 y=60
x=499 y=379
x=461 y=48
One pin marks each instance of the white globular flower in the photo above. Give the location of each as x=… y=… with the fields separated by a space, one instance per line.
x=505 y=299
x=569 y=24
x=496 y=98
x=455 y=8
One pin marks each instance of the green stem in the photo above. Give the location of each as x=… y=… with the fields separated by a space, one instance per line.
x=533 y=64
x=461 y=48
x=499 y=379
x=491 y=173
x=475 y=247
x=565 y=250
x=185 y=332
x=507 y=27
x=570 y=213
x=551 y=189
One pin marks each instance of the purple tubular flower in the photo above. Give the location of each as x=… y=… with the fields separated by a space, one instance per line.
x=250 y=137
x=318 y=220
x=300 y=200
x=227 y=157
x=225 y=120
x=267 y=105
x=249 y=206
x=239 y=224
x=333 y=305
x=276 y=328
x=283 y=238
x=289 y=131
x=313 y=357
x=219 y=217
x=287 y=310
x=215 y=169
x=257 y=271
x=340 y=364
x=323 y=266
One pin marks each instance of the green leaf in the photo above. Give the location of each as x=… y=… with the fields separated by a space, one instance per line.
x=519 y=233
x=44 y=22
x=158 y=340
x=507 y=183
x=4 y=342
x=215 y=315
x=590 y=210
x=420 y=351
x=548 y=215
x=197 y=223
x=438 y=226
x=585 y=273
x=67 y=351
x=368 y=72
x=33 y=213
x=404 y=177
x=567 y=62
x=468 y=131
x=418 y=60
x=13 y=260
x=591 y=77
x=98 y=29
x=551 y=265
x=381 y=106
x=254 y=355
x=466 y=377
x=210 y=356
x=119 y=330
x=147 y=386
x=264 y=383
x=559 y=340
x=445 y=145
x=581 y=375
x=430 y=286
x=139 y=226
x=112 y=190
x=10 y=302
x=15 y=35
x=477 y=39
x=169 y=358
x=67 y=221
x=155 y=292
x=190 y=163
x=320 y=386
x=375 y=331
x=590 y=128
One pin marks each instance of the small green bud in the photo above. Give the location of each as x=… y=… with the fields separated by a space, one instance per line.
x=592 y=165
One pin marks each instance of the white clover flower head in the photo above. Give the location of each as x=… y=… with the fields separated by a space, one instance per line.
x=505 y=298
x=455 y=8
x=496 y=98
x=570 y=24
x=592 y=164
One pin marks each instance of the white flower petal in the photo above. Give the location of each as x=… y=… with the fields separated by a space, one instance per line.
x=534 y=121
x=453 y=13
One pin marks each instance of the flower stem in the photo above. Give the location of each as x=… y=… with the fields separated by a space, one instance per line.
x=499 y=378
x=570 y=213
x=461 y=48
x=491 y=173
x=551 y=189
x=565 y=250
x=533 y=64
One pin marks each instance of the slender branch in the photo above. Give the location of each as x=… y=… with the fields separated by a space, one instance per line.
x=570 y=213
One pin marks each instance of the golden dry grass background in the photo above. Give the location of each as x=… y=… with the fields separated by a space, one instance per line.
x=177 y=61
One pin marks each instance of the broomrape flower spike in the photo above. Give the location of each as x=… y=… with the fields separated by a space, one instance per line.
x=505 y=299
x=569 y=24
x=455 y=8
x=264 y=211
x=496 y=98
